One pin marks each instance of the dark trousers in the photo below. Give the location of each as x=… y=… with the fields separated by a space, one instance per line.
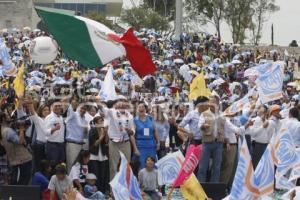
x=153 y=195
x=101 y=171
x=258 y=151
x=55 y=152
x=38 y=149
x=21 y=174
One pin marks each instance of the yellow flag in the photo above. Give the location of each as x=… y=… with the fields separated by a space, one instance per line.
x=177 y=98
x=192 y=190
x=19 y=83
x=198 y=88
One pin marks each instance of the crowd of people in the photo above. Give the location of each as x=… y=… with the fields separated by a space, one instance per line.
x=62 y=133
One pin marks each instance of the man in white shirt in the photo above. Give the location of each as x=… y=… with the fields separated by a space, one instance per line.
x=120 y=128
x=77 y=127
x=55 y=131
x=261 y=134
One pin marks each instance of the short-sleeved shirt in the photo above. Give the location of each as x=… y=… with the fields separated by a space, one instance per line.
x=60 y=186
x=148 y=179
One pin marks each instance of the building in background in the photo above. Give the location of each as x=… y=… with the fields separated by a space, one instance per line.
x=21 y=13
x=109 y=8
x=15 y=13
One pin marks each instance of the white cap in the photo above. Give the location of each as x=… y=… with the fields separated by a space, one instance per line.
x=91 y=176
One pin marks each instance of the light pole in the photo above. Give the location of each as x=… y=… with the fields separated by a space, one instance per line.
x=178 y=20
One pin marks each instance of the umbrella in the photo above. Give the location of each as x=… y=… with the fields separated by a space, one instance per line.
x=15 y=30
x=37 y=30
x=26 y=28
x=95 y=81
x=164 y=90
x=4 y=30
x=219 y=81
x=217 y=60
x=193 y=65
x=167 y=62
x=178 y=61
x=292 y=84
x=236 y=62
x=236 y=57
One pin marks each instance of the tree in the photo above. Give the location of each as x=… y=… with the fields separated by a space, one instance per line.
x=140 y=18
x=212 y=10
x=238 y=15
x=99 y=18
x=165 y=8
x=261 y=9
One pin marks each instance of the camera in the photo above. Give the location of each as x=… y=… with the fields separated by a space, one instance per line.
x=21 y=122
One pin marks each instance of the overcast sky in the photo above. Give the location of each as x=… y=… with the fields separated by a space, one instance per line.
x=286 y=23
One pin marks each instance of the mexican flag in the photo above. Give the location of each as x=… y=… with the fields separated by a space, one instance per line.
x=82 y=39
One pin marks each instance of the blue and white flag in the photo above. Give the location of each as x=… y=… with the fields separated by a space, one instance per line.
x=4 y=55
x=243 y=186
x=270 y=83
x=285 y=152
x=125 y=185
x=168 y=168
x=264 y=172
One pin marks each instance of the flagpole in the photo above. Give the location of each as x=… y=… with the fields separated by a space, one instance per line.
x=178 y=20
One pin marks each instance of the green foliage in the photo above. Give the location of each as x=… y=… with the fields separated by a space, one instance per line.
x=99 y=18
x=140 y=18
x=165 y=8
x=240 y=15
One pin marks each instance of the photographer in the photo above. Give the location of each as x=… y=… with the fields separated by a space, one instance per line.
x=19 y=157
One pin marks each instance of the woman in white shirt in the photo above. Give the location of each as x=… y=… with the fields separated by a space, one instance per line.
x=38 y=132
x=80 y=169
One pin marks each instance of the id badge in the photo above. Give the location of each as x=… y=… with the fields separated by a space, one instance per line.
x=146 y=132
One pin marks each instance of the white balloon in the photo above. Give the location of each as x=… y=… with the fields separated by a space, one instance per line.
x=43 y=50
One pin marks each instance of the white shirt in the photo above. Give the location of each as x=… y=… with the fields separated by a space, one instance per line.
x=76 y=126
x=117 y=122
x=50 y=121
x=40 y=130
x=231 y=130
x=100 y=157
x=77 y=170
x=259 y=133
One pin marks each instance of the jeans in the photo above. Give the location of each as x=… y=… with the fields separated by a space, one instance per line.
x=214 y=150
x=55 y=152
x=97 y=196
x=21 y=174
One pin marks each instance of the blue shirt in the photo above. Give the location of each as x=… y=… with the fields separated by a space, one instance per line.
x=41 y=180
x=192 y=119
x=144 y=132
x=89 y=190
x=76 y=126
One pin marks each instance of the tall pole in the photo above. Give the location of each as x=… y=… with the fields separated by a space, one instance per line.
x=178 y=20
x=272 y=35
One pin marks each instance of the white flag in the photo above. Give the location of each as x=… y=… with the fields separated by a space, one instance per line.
x=108 y=91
